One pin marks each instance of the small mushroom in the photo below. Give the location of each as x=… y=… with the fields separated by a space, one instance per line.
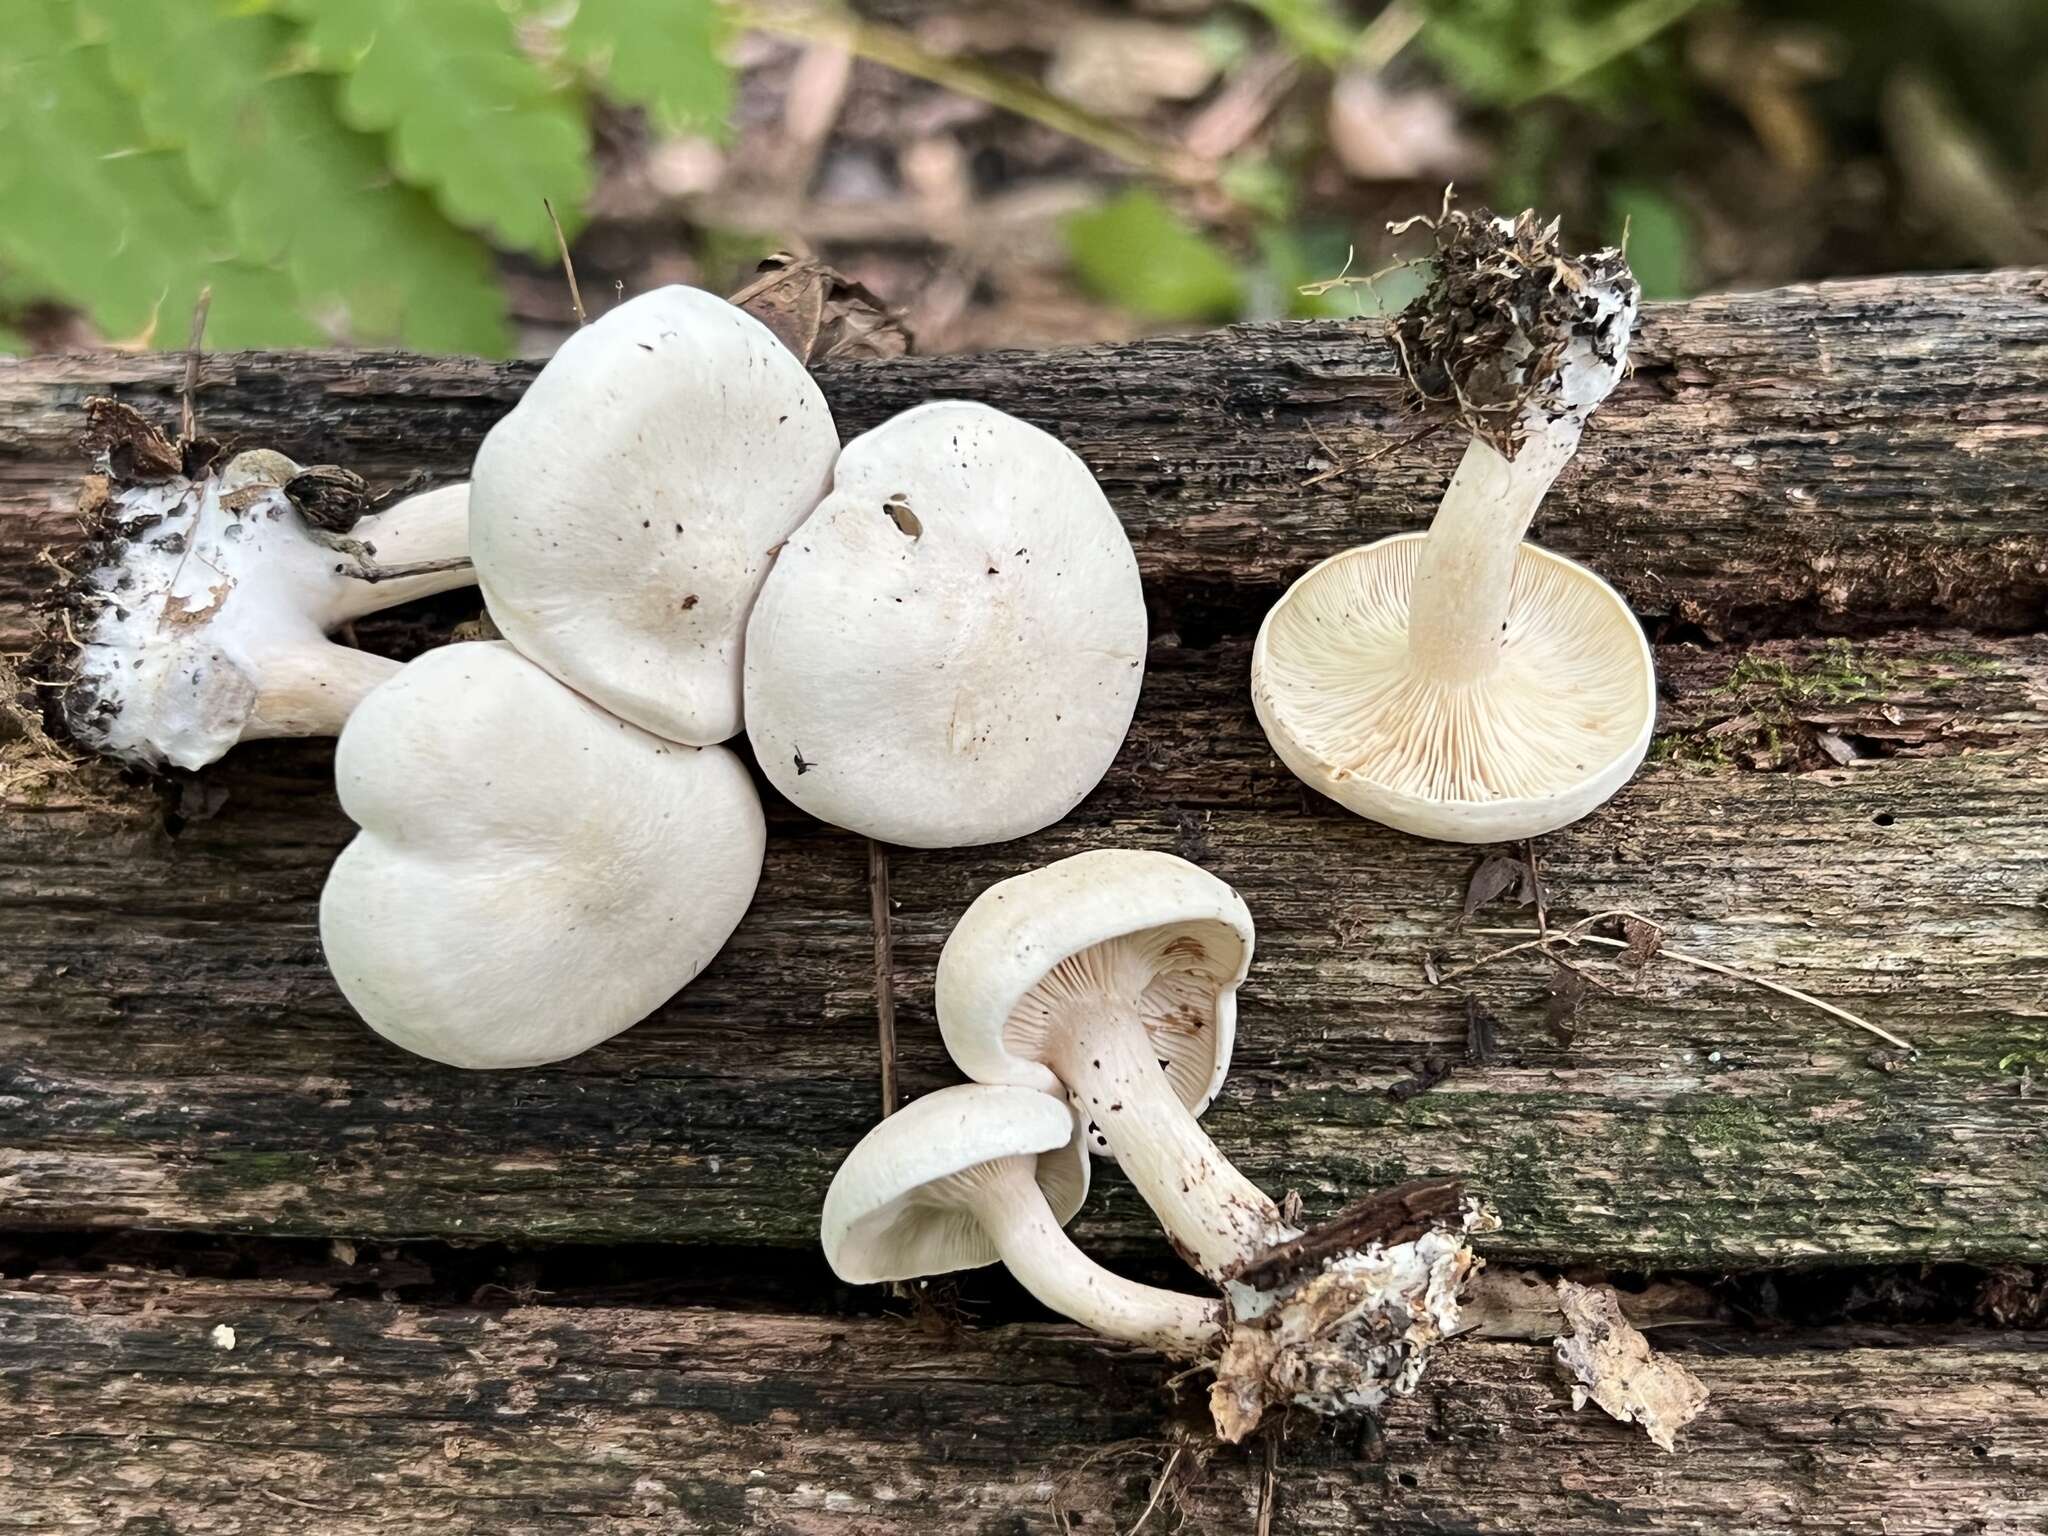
x=1113 y=976
x=627 y=509
x=970 y=1175
x=533 y=875
x=1461 y=684
x=950 y=648
x=203 y=620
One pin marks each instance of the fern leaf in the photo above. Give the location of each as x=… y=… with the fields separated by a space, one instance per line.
x=374 y=259
x=469 y=115
x=664 y=55
x=99 y=218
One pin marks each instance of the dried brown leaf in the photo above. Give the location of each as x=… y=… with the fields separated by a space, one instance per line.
x=820 y=314
x=1644 y=940
x=1568 y=993
x=136 y=453
x=1498 y=875
x=1612 y=1364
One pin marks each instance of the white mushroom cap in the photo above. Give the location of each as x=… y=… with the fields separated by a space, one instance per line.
x=887 y=1216
x=533 y=875
x=949 y=650
x=1172 y=933
x=1553 y=730
x=624 y=513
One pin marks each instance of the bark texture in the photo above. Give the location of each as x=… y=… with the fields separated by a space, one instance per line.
x=172 y=1053
x=127 y=1409
x=1855 y=452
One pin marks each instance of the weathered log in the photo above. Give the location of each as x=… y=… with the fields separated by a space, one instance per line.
x=1858 y=452
x=172 y=1053
x=144 y=1402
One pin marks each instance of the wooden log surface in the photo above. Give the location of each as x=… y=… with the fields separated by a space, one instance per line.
x=126 y=1409
x=173 y=1055
x=1858 y=453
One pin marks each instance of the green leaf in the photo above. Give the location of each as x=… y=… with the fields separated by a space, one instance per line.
x=470 y=116
x=1660 y=239
x=374 y=259
x=101 y=218
x=664 y=55
x=1135 y=251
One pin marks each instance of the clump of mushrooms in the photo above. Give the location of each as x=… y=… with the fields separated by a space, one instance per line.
x=552 y=843
x=950 y=648
x=1461 y=684
x=1112 y=976
x=201 y=613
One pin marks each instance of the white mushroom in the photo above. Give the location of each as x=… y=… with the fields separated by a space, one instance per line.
x=966 y=1176
x=950 y=648
x=533 y=875
x=625 y=512
x=1460 y=684
x=1113 y=976
x=203 y=619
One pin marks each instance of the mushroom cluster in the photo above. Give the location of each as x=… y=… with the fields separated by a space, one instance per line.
x=1094 y=1002
x=934 y=637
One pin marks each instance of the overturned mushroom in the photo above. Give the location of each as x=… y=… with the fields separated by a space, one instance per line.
x=1113 y=975
x=533 y=875
x=950 y=648
x=970 y=1175
x=202 y=616
x=625 y=512
x=1461 y=684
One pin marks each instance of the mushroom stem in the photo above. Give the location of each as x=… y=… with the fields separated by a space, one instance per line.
x=1464 y=578
x=1012 y=1210
x=1216 y=1217
x=430 y=528
x=312 y=689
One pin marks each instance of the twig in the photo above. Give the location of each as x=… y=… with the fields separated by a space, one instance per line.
x=1542 y=940
x=369 y=570
x=1572 y=935
x=1158 y=1490
x=1375 y=456
x=885 y=970
x=188 y=419
x=1270 y=1484
x=568 y=266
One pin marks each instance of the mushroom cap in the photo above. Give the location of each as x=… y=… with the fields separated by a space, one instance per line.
x=1556 y=729
x=949 y=650
x=533 y=875
x=1173 y=932
x=890 y=1214
x=625 y=512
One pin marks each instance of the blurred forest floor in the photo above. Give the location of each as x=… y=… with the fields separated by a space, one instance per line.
x=1231 y=153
